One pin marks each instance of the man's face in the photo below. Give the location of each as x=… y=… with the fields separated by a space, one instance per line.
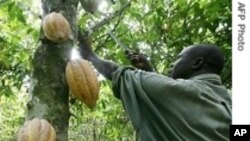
x=181 y=68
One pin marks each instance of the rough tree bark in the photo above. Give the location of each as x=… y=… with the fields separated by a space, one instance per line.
x=49 y=91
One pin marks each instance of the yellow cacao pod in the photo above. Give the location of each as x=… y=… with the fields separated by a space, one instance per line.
x=56 y=28
x=82 y=81
x=90 y=6
x=37 y=130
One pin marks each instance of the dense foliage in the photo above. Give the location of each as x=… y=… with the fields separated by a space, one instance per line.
x=159 y=29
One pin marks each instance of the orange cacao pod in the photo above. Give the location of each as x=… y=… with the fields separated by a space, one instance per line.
x=56 y=28
x=82 y=81
x=37 y=130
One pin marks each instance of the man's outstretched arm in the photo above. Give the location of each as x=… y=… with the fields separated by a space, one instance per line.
x=106 y=68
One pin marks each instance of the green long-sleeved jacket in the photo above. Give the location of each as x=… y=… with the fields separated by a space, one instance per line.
x=165 y=109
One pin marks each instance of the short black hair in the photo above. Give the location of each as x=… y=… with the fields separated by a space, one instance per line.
x=212 y=54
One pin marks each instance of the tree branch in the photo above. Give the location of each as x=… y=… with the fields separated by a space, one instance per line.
x=108 y=19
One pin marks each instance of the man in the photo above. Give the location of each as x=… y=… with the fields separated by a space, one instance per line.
x=190 y=104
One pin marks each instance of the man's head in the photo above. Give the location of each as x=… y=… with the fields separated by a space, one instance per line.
x=197 y=59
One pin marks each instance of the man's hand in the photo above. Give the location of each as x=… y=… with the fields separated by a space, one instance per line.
x=85 y=44
x=139 y=60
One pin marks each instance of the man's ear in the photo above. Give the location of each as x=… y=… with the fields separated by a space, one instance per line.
x=198 y=63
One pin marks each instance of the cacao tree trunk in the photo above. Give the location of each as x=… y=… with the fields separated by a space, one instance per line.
x=49 y=91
